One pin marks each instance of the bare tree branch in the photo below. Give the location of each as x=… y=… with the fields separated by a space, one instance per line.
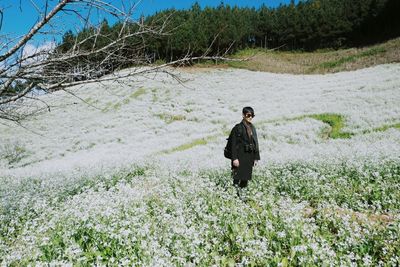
x=1 y=18
x=18 y=96
x=34 y=30
x=94 y=55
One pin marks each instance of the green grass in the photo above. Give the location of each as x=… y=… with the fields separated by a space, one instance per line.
x=249 y=52
x=373 y=51
x=91 y=101
x=186 y=146
x=115 y=106
x=134 y=95
x=316 y=62
x=237 y=64
x=336 y=123
x=138 y=92
x=159 y=62
x=347 y=59
x=170 y=118
x=383 y=128
x=244 y=54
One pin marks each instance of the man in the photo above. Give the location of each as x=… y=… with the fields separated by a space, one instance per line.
x=245 y=150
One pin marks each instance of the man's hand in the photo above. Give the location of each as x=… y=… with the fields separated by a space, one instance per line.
x=236 y=163
x=255 y=162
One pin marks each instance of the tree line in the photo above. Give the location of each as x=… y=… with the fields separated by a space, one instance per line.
x=307 y=25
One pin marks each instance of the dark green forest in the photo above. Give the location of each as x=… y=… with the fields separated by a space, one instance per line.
x=306 y=26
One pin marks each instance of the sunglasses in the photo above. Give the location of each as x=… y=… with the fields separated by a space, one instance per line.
x=249 y=115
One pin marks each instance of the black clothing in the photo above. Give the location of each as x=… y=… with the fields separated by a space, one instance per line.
x=245 y=149
x=240 y=183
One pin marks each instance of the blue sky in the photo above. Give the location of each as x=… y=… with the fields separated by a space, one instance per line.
x=20 y=15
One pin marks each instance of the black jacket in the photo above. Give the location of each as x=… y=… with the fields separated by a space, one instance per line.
x=246 y=158
x=240 y=139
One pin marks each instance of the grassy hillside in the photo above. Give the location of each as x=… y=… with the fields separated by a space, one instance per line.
x=318 y=62
x=134 y=175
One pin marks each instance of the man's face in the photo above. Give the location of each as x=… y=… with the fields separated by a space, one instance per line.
x=248 y=117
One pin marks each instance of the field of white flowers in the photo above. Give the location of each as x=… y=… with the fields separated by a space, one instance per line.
x=133 y=173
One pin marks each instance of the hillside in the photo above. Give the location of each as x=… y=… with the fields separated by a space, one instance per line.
x=319 y=62
x=170 y=114
x=135 y=174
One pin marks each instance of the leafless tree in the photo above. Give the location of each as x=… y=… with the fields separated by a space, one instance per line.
x=23 y=73
x=86 y=60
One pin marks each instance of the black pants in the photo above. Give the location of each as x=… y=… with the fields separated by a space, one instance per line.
x=237 y=182
x=240 y=183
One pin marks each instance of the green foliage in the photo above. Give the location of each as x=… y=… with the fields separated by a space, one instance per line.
x=383 y=128
x=137 y=93
x=357 y=187
x=337 y=195
x=168 y=118
x=115 y=106
x=335 y=121
x=372 y=52
x=14 y=214
x=307 y=25
x=294 y=214
x=369 y=53
x=160 y=62
x=186 y=146
x=196 y=142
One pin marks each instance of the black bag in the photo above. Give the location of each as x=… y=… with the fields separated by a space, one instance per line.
x=228 y=147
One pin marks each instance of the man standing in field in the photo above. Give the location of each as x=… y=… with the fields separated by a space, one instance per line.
x=245 y=149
